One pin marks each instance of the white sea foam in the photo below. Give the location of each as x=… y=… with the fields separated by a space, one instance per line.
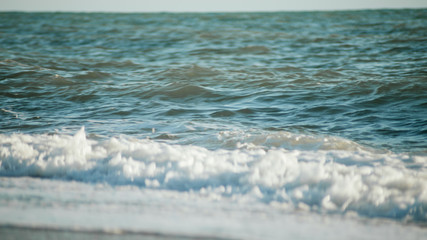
x=333 y=177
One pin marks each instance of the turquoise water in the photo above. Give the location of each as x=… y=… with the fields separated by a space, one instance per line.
x=358 y=75
x=319 y=112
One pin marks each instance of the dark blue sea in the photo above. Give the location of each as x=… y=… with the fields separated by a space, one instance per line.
x=275 y=125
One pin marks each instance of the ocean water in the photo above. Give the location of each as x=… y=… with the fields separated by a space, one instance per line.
x=294 y=125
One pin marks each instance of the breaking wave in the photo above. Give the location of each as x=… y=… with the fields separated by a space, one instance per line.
x=284 y=170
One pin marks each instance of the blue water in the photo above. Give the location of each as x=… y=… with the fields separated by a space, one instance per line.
x=324 y=112
x=359 y=75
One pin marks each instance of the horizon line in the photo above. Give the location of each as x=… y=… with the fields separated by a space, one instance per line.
x=218 y=11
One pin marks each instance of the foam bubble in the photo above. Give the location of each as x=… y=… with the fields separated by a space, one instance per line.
x=324 y=179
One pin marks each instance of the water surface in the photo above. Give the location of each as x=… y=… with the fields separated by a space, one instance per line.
x=287 y=113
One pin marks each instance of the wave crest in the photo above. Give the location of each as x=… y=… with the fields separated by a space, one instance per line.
x=368 y=183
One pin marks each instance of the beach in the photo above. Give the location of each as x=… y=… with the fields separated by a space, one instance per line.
x=268 y=125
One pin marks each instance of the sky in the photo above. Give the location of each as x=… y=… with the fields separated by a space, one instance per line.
x=202 y=5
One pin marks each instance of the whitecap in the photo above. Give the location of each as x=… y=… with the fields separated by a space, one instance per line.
x=328 y=179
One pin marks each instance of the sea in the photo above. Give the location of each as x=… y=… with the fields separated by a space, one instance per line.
x=263 y=125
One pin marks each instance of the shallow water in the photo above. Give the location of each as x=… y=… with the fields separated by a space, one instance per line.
x=288 y=113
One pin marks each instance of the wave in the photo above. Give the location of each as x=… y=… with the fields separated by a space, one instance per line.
x=93 y=75
x=254 y=50
x=297 y=172
x=115 y=64
x=189 y=72
x=250 y=50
